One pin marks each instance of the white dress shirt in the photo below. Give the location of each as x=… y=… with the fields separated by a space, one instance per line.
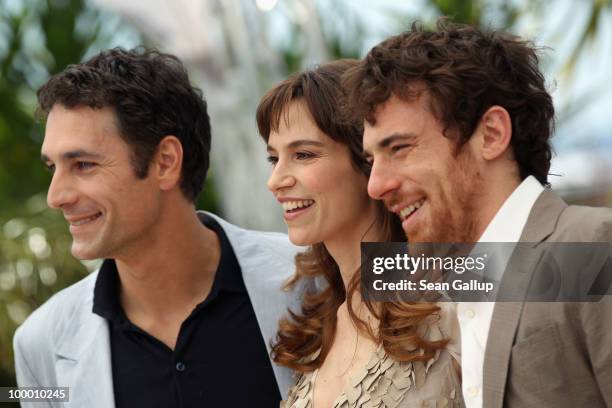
x=475 y=317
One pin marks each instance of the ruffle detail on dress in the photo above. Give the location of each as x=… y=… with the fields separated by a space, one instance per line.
x=386 y=383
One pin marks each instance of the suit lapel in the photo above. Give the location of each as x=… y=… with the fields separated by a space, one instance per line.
x=265 y=268
x=540 y=225
x=83 y=358
x=543 y=217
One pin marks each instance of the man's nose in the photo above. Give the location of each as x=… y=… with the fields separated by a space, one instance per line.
x=61 y=191
x=382 y=181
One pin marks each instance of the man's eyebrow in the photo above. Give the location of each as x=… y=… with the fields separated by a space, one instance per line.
x=298 y=143
x=396 y=137
x=74 y=154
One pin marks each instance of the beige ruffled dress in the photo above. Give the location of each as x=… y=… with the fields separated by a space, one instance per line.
x=385 y=382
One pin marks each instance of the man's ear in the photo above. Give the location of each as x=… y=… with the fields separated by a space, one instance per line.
x=496 y=132
x=168 y=162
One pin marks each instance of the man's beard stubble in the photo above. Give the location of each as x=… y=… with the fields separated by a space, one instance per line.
x=455 y=216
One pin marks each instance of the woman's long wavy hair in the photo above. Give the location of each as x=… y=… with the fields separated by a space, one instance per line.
x=300 y=335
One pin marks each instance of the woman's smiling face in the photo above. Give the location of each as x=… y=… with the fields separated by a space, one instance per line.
x=322 y=193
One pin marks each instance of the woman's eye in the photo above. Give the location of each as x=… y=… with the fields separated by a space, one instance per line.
x=272 y=160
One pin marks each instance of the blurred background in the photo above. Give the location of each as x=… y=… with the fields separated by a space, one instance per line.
x=235 y=50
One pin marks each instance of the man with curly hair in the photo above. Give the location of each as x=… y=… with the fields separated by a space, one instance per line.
x=457 y=129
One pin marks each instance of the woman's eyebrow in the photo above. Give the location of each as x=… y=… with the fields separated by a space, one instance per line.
x=302 y=142
x=298 y=143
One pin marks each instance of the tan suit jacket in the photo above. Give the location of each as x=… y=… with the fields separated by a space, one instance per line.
x=555 y=354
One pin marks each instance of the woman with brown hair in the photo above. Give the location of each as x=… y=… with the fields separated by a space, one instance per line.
x=348 y=351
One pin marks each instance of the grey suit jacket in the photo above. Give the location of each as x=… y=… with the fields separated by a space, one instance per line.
x=551 y=354
x=63 y=343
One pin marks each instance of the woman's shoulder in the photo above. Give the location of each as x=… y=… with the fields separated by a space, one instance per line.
x=299 y=395
x=447 y=326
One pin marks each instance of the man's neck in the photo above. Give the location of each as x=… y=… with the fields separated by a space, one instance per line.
x=491 y=201
x=173 y=271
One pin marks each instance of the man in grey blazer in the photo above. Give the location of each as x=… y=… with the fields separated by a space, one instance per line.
x=457 y=127
x=183 y=308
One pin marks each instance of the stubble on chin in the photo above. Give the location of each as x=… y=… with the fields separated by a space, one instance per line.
x=455 y=217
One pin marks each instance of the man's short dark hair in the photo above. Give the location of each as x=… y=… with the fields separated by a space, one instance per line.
x=151 y=96
x=466 y=71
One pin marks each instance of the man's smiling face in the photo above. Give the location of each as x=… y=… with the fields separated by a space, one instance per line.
x=419 y=174
x=110 y=210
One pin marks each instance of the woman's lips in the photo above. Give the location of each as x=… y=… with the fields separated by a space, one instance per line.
x=295 y=213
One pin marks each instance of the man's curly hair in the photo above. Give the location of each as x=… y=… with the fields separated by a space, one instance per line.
x=466 y=71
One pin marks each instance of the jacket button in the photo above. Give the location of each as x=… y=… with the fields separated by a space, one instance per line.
x=180 y=366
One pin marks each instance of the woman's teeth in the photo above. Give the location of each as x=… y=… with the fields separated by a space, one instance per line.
x=292 y=205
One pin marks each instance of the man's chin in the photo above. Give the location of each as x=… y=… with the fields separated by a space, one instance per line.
x=426 y=238
x=418 y=239
x=84 y=254
x=418 y=235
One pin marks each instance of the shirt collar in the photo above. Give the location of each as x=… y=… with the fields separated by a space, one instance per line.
x=106 y=291
x=508 y=223
x=228 y=277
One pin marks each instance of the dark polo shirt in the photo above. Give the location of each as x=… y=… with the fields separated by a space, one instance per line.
x=220 y=358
